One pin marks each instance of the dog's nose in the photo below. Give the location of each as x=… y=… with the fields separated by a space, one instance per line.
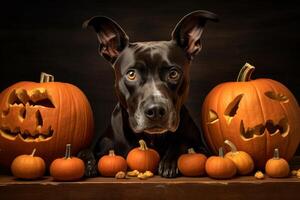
x=155 y=111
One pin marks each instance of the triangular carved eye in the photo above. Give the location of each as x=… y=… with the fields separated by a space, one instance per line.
x=232 y=108
x=277 y=96
x=212 y=117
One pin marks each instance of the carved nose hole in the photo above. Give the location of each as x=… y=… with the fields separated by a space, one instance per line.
x=39 y=118
x=277 y=96
x=232 y=108
x=212 y=117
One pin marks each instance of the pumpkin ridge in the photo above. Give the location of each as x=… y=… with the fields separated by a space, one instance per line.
x=220 y=125
x=74 y=115
x=86 y=118
x=60 y=109
x=264 y=119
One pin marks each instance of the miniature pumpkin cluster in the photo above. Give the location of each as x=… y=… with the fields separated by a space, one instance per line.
x=61 y=169
x=218 y=167
x=232 y=163
x=143 y=162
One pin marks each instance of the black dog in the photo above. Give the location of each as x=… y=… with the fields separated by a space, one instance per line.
x=152 y=84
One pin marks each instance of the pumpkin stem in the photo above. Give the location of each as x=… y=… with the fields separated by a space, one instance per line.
x=33 y=152
x=45 y=78
x=276 y=153
x=68 y=151
x=111 y=153
x=221 y=152
x=143 y=145
x=191 y=150
x=245 y=73
x=231 y=145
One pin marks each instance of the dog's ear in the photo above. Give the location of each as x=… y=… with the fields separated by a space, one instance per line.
x=188 y=31
x=111 y=37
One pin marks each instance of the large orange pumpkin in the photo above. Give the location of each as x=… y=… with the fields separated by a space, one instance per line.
x=45 y=116
x=256 y=115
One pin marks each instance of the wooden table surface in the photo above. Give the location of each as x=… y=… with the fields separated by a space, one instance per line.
x=245 y=187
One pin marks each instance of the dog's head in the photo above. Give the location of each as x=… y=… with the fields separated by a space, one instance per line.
x=151 y=78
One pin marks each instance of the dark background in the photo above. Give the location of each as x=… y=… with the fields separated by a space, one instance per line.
x=47 y=36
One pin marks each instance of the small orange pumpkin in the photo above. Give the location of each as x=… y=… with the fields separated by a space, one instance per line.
x=143 y=158
x=241 y=159
x=28 y=166
x=192 y=163
x=67 y=168
x=111 y=164
x=219 y=167
x=277 y=167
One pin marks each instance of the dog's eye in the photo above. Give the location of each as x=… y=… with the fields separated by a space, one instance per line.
x=131 y=75
x=174 y=75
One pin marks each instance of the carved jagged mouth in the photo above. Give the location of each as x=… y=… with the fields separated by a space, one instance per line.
x=281 y=128
x=25 y=135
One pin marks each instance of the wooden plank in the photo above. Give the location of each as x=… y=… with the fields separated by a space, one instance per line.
x=154 y=188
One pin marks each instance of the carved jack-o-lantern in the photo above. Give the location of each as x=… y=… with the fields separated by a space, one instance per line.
x=45 y=116
x=256 y=115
